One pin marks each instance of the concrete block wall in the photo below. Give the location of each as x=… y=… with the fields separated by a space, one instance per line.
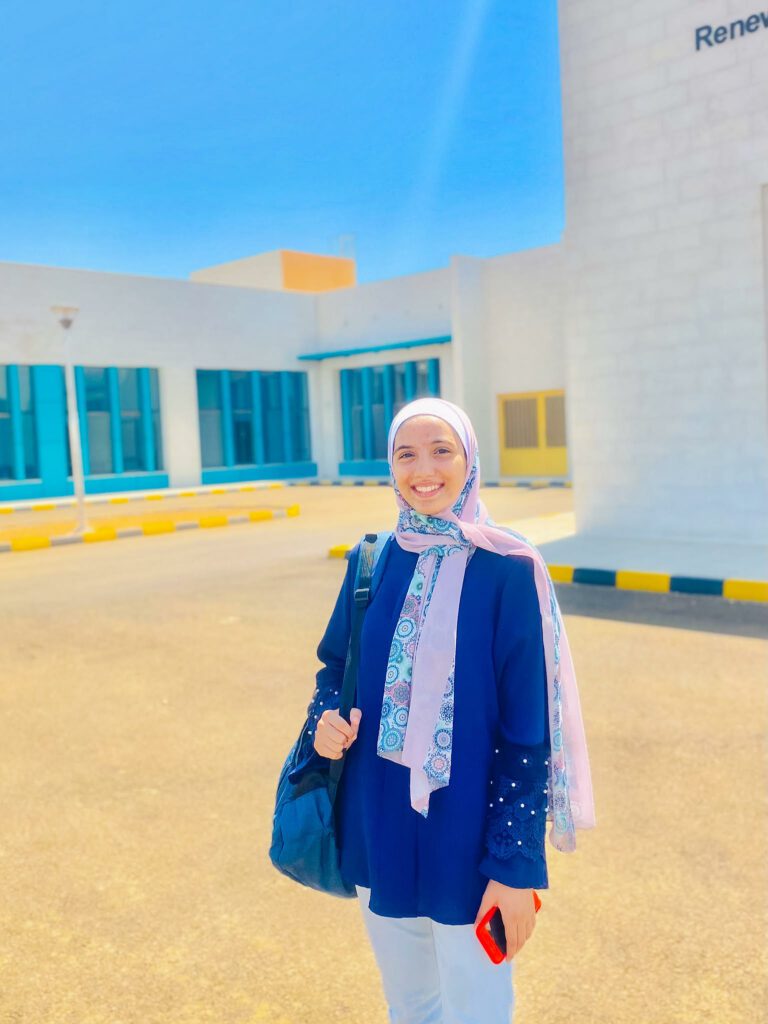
x=666 y=157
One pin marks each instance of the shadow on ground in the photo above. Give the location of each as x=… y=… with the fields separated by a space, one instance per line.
x=677 y=611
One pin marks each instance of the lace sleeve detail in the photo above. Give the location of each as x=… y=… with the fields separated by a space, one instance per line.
x=517 y=805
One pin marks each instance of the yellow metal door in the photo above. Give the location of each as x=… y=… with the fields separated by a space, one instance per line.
x=532 y=434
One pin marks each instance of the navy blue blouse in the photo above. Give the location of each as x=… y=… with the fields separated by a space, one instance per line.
x=490 y=821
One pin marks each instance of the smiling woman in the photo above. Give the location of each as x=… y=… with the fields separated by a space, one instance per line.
x=458 y=748
x=429 y=464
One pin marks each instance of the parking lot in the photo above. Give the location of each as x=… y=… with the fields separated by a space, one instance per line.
x=151 y=690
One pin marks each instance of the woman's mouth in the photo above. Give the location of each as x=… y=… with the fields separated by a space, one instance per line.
x=427 y=492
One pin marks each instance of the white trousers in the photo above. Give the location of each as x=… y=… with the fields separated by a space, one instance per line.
x=437 y=973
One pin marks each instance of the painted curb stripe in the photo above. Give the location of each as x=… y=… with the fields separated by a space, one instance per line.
x=694 y=585
x=622 y=579
x=30 y=543
x=745 y=590
x=104 y=533
x=651 y=581
x=601 y=577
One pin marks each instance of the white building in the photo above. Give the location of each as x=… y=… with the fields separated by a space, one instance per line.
x=630 y=358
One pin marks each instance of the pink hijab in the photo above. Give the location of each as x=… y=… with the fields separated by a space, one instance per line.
x=417 y=709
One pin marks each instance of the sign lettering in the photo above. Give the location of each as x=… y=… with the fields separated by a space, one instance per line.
x=714 y=35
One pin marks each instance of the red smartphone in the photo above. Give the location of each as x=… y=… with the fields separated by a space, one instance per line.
x=490 y=932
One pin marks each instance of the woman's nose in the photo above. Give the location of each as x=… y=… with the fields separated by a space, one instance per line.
x=422 y=463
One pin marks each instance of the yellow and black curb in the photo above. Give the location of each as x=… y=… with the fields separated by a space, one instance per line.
x=656 y=582
x=36 y=541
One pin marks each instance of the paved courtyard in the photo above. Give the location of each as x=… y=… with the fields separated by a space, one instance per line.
x=150 y=691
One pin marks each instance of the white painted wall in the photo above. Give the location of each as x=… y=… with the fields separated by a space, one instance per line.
x=182 y=457
x=471 y=363
x=524 y=333
x=666 y=153
x=146 y=321
x=176 y=326
x=262 y=271
x=380 y=312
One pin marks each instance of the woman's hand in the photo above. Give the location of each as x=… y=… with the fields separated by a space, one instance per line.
x=517 y=912
x=334 y=733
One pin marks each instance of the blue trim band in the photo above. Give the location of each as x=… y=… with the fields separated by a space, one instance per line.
x=364 y=467
x=31 y=489
x=391 y=346
x=271 y=471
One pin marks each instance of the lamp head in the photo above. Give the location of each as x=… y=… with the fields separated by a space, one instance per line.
x=65 y=315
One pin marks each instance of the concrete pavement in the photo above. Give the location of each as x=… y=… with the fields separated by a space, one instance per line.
x=150 y=692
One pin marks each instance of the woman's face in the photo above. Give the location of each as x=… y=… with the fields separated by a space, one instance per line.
x=428 y=464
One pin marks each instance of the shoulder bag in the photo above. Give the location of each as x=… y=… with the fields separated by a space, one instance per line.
x=304 y=844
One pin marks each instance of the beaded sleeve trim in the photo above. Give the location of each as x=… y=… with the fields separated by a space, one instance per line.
x=517 y=805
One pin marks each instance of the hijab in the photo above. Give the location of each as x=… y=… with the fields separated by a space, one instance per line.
x=417 y=708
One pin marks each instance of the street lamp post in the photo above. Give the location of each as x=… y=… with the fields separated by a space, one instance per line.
x=65 y=316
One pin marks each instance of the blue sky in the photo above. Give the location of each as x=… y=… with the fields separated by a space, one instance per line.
x=158 y=138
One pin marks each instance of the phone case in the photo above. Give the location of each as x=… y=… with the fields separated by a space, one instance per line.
x=490 y=932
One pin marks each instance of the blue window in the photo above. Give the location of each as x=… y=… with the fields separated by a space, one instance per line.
x=98 y=420
x=381 y=411
x=299 y=412
x=209 y=402
x=130 y=420
x=119 y=412
x=28 y=422
x=370 y=398
x=156 y=447
x=252 y=417
x=401 y=395
x=272 y=418
x=18 y=440
x=242 y=416
x=354 y=413
x=6 y=428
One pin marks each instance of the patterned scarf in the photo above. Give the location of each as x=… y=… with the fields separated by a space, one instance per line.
x=416 y=728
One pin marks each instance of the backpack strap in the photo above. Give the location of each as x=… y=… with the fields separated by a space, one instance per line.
x=371 y=547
